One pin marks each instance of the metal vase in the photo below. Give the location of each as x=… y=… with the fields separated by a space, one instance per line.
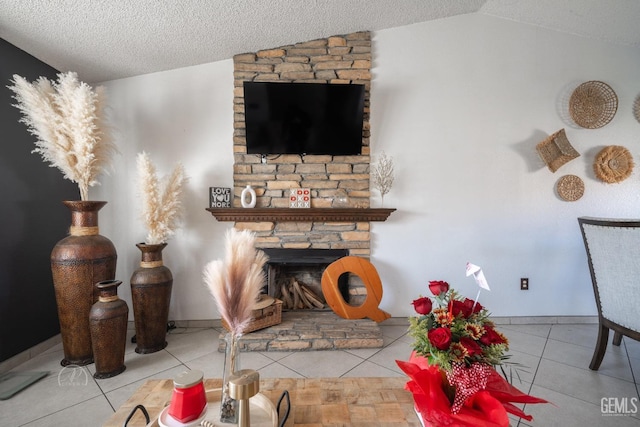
x=151 y=287
x=78 y=262
x=108 y=323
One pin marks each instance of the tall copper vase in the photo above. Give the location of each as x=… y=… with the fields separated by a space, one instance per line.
x=78 y=262
x=151 y=295
x=108 y=324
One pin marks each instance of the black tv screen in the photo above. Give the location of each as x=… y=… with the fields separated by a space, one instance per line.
x=303 y=118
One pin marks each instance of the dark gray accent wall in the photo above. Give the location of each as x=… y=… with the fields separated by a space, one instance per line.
x=32 y=218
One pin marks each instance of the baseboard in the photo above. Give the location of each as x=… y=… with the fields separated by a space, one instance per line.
x=28 y=354
x=544 y=320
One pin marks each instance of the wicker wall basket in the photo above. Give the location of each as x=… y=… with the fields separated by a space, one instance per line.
x=556 y=150
x=593 y=104
x=613 y=164
x=570 y=188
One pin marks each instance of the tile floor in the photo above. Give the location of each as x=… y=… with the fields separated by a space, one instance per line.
x=556 y=357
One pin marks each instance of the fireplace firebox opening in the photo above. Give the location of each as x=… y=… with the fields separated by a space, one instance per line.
x=294 y=276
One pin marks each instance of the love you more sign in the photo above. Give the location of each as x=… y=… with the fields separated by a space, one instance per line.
x=219 y=197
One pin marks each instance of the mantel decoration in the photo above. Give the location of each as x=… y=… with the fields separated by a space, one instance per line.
x=613 y=164
x=248 y=197
x=235 y=284
x=300 y=198
x=452 y=368
x=219 y=197
x=68 y=119
x=593 y=104
x=382 y=175
x=151 y=283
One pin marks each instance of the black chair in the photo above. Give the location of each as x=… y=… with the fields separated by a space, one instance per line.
x=613 y=252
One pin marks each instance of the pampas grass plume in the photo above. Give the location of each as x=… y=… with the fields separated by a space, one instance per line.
x=236 y=282
x=68 y=119
x=162 y=207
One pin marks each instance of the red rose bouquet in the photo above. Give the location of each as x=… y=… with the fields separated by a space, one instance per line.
x=455 y=330
x=452 y=368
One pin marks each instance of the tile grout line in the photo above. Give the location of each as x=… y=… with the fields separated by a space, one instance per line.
x=369 y=357
x=75 y=404
x=535 y=373
x=633 y=376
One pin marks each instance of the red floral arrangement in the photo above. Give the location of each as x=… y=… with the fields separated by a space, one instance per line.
x=455 y=330
x=452 y=368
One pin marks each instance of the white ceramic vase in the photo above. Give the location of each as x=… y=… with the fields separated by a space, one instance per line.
x=251 y=194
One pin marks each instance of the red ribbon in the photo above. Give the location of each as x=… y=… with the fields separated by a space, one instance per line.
x=467 y=382
x=485 y=408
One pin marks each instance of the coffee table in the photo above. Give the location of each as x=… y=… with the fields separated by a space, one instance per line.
x=315 y=402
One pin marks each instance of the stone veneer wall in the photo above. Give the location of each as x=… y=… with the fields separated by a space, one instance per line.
x=344 y=59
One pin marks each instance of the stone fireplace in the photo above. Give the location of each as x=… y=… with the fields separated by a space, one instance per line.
x=302 y=242
x=334 y=181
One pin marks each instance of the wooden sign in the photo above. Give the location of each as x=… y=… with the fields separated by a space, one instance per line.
x=219 y=197
x=299 y=198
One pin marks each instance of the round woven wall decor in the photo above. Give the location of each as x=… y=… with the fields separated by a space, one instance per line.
x=613 y=164
x=593 y=104
x=570 y=188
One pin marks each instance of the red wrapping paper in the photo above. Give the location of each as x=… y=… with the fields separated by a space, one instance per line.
x=487 y=408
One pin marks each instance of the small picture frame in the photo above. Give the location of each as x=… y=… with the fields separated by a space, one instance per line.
x=219 y=197
x=299 y=198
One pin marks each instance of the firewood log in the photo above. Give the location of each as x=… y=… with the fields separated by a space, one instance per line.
x=286 y=297
x=312 y=297
x=297 y=303
x=298 y=291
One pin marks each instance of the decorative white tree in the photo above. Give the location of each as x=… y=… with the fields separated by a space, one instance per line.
x=382 y=175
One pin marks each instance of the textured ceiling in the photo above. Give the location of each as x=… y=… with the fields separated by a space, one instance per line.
x=109 y=39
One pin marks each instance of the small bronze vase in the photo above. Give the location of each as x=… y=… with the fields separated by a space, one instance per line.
x=78 y=262
x=151 y=287
x=108 y=323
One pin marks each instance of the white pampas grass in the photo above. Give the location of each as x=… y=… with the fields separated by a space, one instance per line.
x=382 y=175
x=236 y=281
x=67 y=118
x=161 y=201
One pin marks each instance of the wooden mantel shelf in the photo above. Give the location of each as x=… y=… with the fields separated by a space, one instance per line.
x=300 y=215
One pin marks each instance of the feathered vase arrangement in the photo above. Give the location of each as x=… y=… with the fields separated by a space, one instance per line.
x=68 y=119
x=152 y=282
x=162 y=206
x=235 y=283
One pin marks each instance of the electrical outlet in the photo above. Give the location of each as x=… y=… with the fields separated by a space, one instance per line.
x=524 y=284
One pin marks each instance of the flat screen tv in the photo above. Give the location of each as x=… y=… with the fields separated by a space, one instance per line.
x=303 y=118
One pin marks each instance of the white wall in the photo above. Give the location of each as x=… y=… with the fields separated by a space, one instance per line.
x=180 y=115
x=459 y=104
